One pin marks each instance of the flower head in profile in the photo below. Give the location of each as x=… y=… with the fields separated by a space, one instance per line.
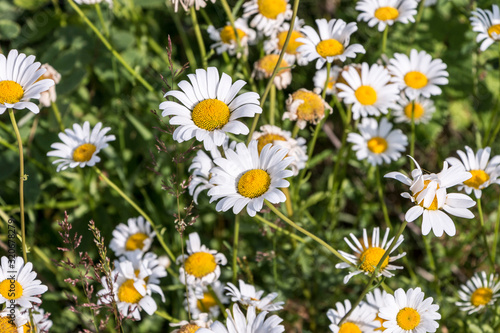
x=487 y=23
x=479 y=292
x=48 y=97
x=268 y=15
x=225 y=38
x=369 y=252
x=305 y=106
x=276 y=42
x=362 y=319
x=80 y=146
x=264 y=68
x=332 y=42
x=484 y=171
x=246 y=178
x=246 y=295
x=137 y=234
x=386 y=12
x=421 y=108
x=209 y=108
x=19 y=82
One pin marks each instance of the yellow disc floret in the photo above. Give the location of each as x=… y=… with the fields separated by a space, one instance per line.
x=386 y=13
x=200 y=264
x=271 y=8
x=189 y=328
x=494 y=29
x=377 y=145
x=127 y=292
x=268 y=63
x=136 y=241
x=210 y=114
x=84 y=153
x=408 y=318
x=11 y=289
x=418 y=110
x=206 y=303
x=349 y=328
x=292 y=44
x=329 y=48
x=7 y=325
x=481 y=296
x=479 y=177
x=370 y=258
x=366 y=95
x=434 y=203
x=27 y=328
x=265 y=139
x=228 y=36
x=416 y=79
x=254 y=183
x=11 y=92
x=313 y=107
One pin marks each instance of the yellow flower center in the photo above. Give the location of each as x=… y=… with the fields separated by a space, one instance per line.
x=200 y=264
x=371 y=257
x=271 y=8
x=268 y=138
x=268 y=63
x=228 y=36
x=494 y=29
x=479 y=177
x=349 y=328
x=416 y=79
x=377 y=145
x=189 y=328
x=83 y=153
x=292 y=44
x=418 y=110
x=11 y=289
x=382 y=321
x=386 y=13
x=331 y=83
x=366 y=95
x=313 y=107
x=127 y=292
x=206 y=303
x=27 y=328
x=210 y=114
x=481 y=296
x=329 y=48
x=254 y=183
x=408 y=318
x=10 y=92
x=434 y=204
x=136 y=241
x=7 y=326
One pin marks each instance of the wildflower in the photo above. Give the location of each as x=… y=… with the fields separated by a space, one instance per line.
x=422 y=109
x=192 y=326
x=487 y=23
x=246 y=295
x=375 y=299
x=362 y=319
x=276 y=42
x=386 y=12
x=48 y=97
x=146 y=267
x=186 y=4
x=264 y=68
x=202 y=301
x=80 y=146
x=268 y=15
x=478 y=292
x=320 y=78
x=225 y=38
x=135 y=235
x=305 y=106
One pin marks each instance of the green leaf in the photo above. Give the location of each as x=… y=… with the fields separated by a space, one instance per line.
x=30 y=4
x=9 y=29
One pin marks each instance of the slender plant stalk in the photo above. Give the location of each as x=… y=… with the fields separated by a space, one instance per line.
x=328 y=69
x=483 y=232
x=166 y=316
x=495 y=239
x=235 y=246
x=494 y=113
x=272 y=106
x=275 y=227
x=412 y=137
x=381 y=197
x=384 y=38
x=295 y=131
x=22 y=179
x=217 y=300
x=101 y=19
x=199 y=38
x=288 y=202
x=57 y=114
x=185 y=40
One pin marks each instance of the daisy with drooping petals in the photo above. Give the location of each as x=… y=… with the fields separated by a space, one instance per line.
x=19 y=75
x=428 y=192
x=369 y=253
x=409 y=312
x=330 y=44
x=80 y=146
x=135 y=235
x=192 y=326
x=225 y=38
x=277 y=40
x=478 y=292
x=17 y=283
x=484 y=171
x=246 y=178
x=48 y=97
x=369 y=92
x=375 y=299
x=422 y=109
x=269 y=14
x=146 y=267
x=201 y=265
x=201 y=301
x=362 y=319
x=209 y=108
x=320 y=78
x=264 y=68
x=296 y=147
x=487 y=23
x=305 y=106
x=418 y=74
x=246 y=295
x=378 y=143
x=386 y=12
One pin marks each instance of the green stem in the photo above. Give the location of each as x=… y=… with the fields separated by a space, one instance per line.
x=22 y=179
x=57 y=114
x=295 y=131
x=185 y=40
x=412 y=137
x=217 y=300
x=272 y=106
x=235 y=247
x=275 y=227
x=384 y=38
x=199 y=38
x=381 y=197
x=166 y=316
x=495 y=239
x=101 y=19
x=483 y=232
x=432 y=264
x=328 y=69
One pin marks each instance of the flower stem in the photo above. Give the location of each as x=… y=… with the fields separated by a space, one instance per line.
x=166 y=316
x=381 y=197
x=483 y=232
x=217 y=299
x=384 y=38
x=412 y=137
x=235 y=246
x=272 y=106
x=275 y=227
x=199 y=38
x=101 y=19
x=495 y=239
x=328 y=69
x=22 y=179
x=57 y=114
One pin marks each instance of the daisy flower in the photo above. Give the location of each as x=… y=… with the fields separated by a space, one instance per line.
x=375 y=299
x=378 y=143
x=332 y=42
x=201 y=265
x=320 y=78
x=146 y=267
x=41 y=320
x=362 y=319
x=368 y=254
x=19 y=75
x=269 y=14
x=48 y=97
x=192 y=326
x=246 y=295
x=386 y=12
x=422 y=109
x=296 y=147
x=478 y=292
x=487 y=23
x=202 y=301
x=14 y=322
x=17 y=283
x=264 y=68
x=135 y=235
x=484 y=171
x=277 y=40
x=200 y=170
x=369 y=92
x=80 y=146
x=246 y=178
x=428 y=192
x=186 y=4
x=225 y=38
x=410 y=312
x=418 y=74
x=305 y=106
x=208 y=108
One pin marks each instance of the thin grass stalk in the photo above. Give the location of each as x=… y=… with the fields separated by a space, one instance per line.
x=199 y=37
x=380 y=191
x=483 y=232
x=495 y=238
x=275 y=227
x=217 y=300
x=235 y=247
x=272 y=106
x=384 y=38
